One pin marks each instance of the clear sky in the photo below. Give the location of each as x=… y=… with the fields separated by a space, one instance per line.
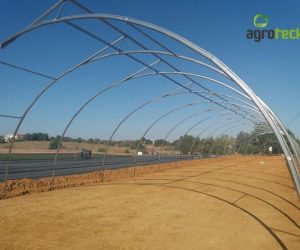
x=269 y=67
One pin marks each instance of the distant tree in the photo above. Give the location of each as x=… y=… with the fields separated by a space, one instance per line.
x=2 y=140
x=67 y=138
x=161 y=142
x=79 y=139
x=138 y=144
x=206 y=145
x=241 y=140
x=184 y=144
x=147 y=141
x=91 y=140
x=125 y=143
x=54 y=143
x=36 y=137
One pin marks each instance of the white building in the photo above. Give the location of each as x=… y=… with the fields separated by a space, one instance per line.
x=7 y=138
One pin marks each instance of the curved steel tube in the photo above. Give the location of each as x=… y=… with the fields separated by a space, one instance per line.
x=209 y=135
x=223 y=67
x=244 y=144
x=223 y=132
x=196 y=124
x=157 y=99
x=92 y=58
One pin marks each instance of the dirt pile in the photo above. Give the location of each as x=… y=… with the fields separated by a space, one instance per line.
x=19 y=187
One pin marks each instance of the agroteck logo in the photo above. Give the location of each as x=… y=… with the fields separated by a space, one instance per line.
x=261 y=21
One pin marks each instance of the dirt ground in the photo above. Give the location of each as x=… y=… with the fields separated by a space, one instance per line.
x=225 y=203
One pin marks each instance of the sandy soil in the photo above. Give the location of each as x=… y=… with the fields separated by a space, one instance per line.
x=227 y=203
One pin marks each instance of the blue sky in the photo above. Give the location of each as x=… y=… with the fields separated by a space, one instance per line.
x=269 y=67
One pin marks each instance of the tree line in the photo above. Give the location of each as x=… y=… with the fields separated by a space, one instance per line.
x=244 y=143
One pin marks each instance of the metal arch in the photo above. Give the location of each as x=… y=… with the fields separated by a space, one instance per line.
x=283 y=131
x=174 y=36
x=196 y=124
x=118 y=83
x=145 y=48
x=200 y=76
x=297 y=149
x=93 y=58
x=198 y=135
x=185 y=119
x=210 y=134
x=44 y=91
x=258 y=132
x=135 y=58
x=241 y=141
x=124 y=34
x=168 y=94
x=180 y=72
x=254 y=108
x=182 y=121
x=240 y=144
x=204 y=77
x=110 y=86
x=159 y=52
x=199 y=122
x=131 y=113
x=223 y=132
x=290 y=139
x=243 y=145
x=233 y=76
x=244 y=149
x=171 y=111
x=111 y=45
x=84 y=62
x=203 y=120
x=88 y=60
x=127 y=78
x=223 y=67
x=227 y=146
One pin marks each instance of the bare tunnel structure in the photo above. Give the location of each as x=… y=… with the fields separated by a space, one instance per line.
x=155 y=55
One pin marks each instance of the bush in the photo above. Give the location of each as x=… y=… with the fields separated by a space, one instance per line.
x=126 y=151
x=2 y=139
x=102 y=149
x=54 y=144
x=161 y=142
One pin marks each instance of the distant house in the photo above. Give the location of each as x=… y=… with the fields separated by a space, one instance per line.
x=7 y=138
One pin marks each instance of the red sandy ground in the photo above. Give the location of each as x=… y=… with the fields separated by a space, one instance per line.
x=225 y=203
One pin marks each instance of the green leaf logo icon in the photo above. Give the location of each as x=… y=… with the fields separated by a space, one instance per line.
x=261 y=20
